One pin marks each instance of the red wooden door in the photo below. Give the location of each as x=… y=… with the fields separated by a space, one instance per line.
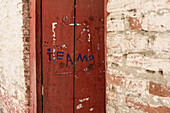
x=73 y=56
x=89 y=44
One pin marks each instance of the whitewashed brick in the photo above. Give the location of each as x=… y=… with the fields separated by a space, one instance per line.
x=162 y=44
x=155 y=22
x=115 y=25
x=115 y=58
x=127 y=43
x=138 y=60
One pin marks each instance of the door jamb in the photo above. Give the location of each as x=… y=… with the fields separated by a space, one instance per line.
x=35 y=57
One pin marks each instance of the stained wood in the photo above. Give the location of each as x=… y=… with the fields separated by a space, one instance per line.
x=57 y=38
x=90 y=74
x=61 y=46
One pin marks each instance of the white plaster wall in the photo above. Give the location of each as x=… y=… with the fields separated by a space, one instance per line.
x=12 y=80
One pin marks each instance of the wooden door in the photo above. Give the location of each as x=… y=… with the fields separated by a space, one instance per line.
x=73 y=61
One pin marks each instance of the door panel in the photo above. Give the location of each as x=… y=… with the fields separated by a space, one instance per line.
x=64 y=39
x=57 y=42
x=90 y=72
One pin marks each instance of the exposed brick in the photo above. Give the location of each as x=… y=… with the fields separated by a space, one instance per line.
x=127 y=83
x=135 y=23
x=146 y=108
x=115 y=80
x=159 y=89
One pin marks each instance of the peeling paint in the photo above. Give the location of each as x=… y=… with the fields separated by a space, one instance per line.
x=64 y=46
x=83 y=100
x=72 y=24
x=54 y=40
x=91 y=109
x=79 y=106
x=83 y=30
x=77 y=24
x=98 y=46
x=85 y=69
x=53 y=28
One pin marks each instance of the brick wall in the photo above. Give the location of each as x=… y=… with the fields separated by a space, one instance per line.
x=14 y=63
x=138 y=56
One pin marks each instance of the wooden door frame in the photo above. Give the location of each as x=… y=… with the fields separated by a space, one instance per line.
x=35 y=54
x=35 y=57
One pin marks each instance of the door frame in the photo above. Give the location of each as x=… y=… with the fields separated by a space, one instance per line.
x=35 y=54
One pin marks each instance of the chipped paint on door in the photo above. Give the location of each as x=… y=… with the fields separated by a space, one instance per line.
x=73 y=56
x=90 y=76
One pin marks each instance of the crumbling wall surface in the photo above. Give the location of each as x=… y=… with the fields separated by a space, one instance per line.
x=138 y=56
x=13 y=82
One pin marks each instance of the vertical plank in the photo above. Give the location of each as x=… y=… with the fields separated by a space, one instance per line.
x=38 y=57
x=58 y=51
x=90 y=71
